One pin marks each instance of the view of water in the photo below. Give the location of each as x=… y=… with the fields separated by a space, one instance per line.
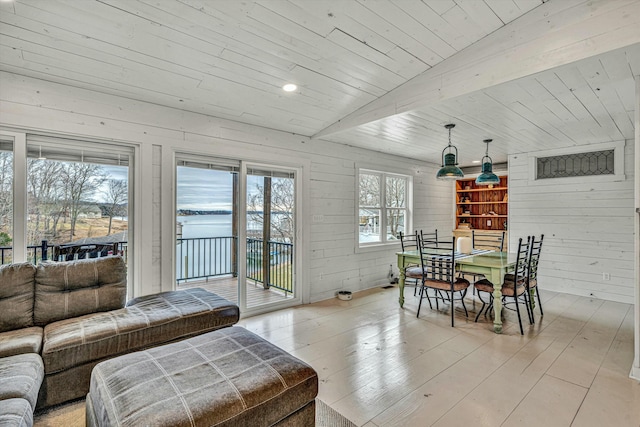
x=205 y=226
x=207 y=257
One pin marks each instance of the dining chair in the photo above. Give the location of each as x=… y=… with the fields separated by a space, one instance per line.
x=532 y=274
x=437 y=272
x=491 y=241
x=430 y=238
x=409 y=242
x=513 y=285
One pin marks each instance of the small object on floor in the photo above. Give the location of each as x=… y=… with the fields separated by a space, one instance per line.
x=345 y=295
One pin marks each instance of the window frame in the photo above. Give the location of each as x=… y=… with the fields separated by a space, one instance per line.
x=384 y=206
x=21 y=140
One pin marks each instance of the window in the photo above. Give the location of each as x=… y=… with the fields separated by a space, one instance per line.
x=578 y=164
x=383 y=207
x=77 y=195
x=601 y=162
x=71 y=198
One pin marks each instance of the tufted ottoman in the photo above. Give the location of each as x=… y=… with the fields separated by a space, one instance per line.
x=228 y=377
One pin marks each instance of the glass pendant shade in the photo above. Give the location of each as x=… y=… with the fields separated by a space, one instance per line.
x=487 y=177
x=449 y=169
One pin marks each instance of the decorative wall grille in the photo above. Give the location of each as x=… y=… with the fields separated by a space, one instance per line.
x=578 y=164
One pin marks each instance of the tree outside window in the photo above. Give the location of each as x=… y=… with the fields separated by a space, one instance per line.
x=382 y=202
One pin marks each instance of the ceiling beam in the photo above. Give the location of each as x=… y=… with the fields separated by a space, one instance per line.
x=556 y=33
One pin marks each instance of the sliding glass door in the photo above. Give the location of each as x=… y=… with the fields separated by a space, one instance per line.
x=270 y=197
x=236 y=243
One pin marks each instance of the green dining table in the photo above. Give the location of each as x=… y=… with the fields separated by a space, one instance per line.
x=493 y=265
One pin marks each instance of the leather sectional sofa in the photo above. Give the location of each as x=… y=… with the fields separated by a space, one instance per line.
x=59 y=319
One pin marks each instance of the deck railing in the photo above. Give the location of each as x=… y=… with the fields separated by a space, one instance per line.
x=279 y=272
x=35 y=253
x=46 y=251
x=203 y=257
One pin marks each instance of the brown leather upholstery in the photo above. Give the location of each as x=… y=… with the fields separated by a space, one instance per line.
x=229 y=377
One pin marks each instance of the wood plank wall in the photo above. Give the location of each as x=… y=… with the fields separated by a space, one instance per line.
x=333 y=261
x=588 y=228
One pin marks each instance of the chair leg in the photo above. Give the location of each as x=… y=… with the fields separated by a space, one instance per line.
x=539 y=302
x=527 y=303
x=452 y=313
x=462 y=295
x=529 y=310
x=426 y=292
x=481 y=308
x=420 y=303
x=519 y=318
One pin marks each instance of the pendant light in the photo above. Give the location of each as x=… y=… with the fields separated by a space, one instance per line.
x=449 y=169
x=487 y=177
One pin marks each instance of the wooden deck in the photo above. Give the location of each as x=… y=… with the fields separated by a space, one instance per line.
x=227 y=287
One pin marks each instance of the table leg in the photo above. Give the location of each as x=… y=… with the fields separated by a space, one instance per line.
x=497 y=308
x=497 y=276
x=401 y=287
x=532 y=294
x=401 y=280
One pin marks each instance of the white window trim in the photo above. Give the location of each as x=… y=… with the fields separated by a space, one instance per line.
x=19 y=238
x=373 y=246
x=138 y=267
x=618 y=163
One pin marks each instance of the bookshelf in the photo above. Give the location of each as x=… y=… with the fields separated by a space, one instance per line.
x=481 y=207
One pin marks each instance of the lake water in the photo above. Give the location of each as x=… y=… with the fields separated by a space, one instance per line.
x=205 y=226
x=201 y=258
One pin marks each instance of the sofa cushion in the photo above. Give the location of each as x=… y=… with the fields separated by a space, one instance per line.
x=21 y=377
x=145 y=322
x=15 y=413
x=229 y=377
x=69 y=289
x=20 y=341
x=16 y=295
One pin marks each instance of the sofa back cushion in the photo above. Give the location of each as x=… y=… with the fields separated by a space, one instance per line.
x=16 y=296
x=74 y=288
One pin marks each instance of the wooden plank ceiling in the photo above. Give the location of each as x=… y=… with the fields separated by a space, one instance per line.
x=380 y=74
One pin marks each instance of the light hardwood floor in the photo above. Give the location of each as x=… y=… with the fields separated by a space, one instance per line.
x=381 y=366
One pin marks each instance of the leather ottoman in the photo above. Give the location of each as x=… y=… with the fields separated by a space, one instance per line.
x=228 y=377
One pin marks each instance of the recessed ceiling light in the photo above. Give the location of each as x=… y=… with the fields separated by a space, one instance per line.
x=475 y=161
x=289 y=87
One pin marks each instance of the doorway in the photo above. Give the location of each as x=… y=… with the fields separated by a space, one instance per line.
x=235 y=231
